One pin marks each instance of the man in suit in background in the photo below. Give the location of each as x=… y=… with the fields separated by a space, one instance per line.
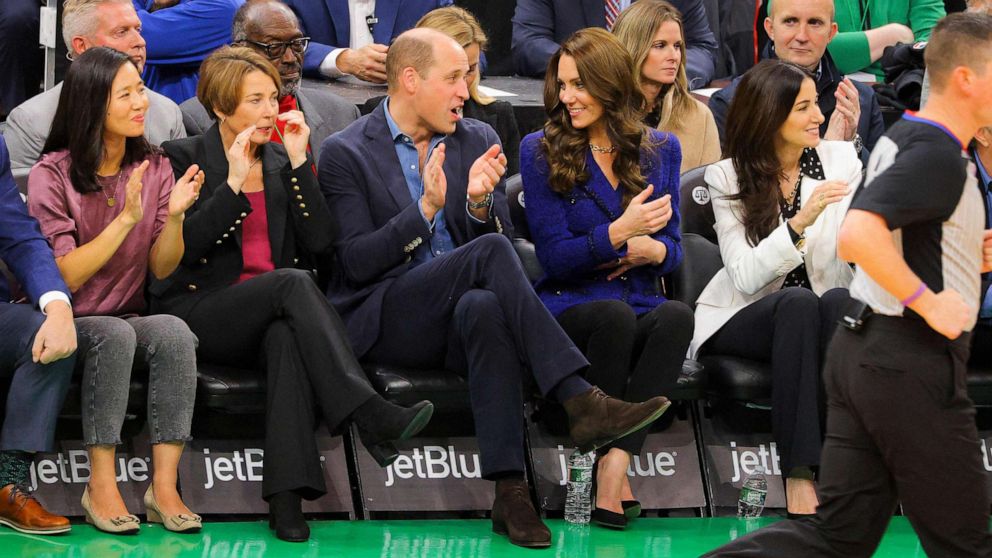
x=352 y=37
x=427 y=277
x=272 y=29
x=36 y=358
x=20 y=65
x=539 y=26
x=87 y=24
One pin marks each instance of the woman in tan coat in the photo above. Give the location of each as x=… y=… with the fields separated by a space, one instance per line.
x=652 y=32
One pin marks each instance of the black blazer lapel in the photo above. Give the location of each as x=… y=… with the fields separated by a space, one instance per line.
x=382 y=155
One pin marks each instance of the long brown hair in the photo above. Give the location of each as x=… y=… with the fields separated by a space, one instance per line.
x=605 y=69
x=636 y=28
x=762 y=103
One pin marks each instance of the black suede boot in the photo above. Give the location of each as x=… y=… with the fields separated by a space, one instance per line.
x=380 y=423
x=286 y=517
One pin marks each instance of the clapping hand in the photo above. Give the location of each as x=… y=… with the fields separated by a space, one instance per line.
x=485 y=173
x=185 y=191
x=829 y=192
x=295 y=137
x=435 y=183
x=843 y=123
x=987 y=251
x=239 y=159
x=133 y=211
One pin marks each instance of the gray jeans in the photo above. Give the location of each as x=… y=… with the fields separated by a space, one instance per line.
x=109 y=347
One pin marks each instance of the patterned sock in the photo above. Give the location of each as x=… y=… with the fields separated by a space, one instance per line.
x=15 y=467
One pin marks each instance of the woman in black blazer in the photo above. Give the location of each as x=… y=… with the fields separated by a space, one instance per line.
x=244 y=288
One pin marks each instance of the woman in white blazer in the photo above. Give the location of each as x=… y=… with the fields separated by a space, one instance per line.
x=779 y=201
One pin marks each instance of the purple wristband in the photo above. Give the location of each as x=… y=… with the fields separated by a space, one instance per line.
x=912 y=298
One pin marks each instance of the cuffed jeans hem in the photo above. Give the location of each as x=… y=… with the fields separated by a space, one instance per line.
x=88 y=443
x=177 y=439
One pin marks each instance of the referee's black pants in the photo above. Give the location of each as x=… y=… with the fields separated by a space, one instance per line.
x=900 y=428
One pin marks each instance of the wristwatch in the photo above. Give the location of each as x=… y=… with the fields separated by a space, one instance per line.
x=859 y=144
x=486 y=202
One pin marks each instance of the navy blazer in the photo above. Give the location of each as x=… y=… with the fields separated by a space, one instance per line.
x=328 y=24
x=23 y=249
x=571 y=231
x=539 y=26
x=375 y=222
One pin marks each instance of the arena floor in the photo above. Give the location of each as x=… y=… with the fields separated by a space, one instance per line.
x=646 y=538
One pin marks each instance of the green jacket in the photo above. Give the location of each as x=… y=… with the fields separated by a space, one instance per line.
x=850 y=47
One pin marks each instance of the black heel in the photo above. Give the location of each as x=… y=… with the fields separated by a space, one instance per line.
x=384 y=453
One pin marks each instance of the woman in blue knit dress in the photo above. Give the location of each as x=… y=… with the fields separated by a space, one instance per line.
x=601 y=195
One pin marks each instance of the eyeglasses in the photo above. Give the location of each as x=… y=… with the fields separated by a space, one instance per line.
x=275 y=51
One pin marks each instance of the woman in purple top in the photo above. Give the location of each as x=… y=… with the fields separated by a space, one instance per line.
x=601 y=193
x=109 y=205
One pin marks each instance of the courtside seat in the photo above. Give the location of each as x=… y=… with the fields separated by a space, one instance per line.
x=691 y=381
x=727 y=377
x=404 y=386
x=230 y=390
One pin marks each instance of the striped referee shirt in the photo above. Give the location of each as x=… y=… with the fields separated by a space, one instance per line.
x=921 y=180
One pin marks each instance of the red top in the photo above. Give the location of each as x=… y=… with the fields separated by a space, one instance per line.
x=287 y=104
x=256 y=252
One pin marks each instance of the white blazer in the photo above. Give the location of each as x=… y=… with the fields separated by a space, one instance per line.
x=753 y=272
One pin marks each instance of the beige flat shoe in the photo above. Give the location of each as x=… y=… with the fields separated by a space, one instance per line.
x=179 y=523
x=120 y=525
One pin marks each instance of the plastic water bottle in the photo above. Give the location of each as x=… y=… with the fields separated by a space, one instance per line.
x=753 y=493
x=578 y=490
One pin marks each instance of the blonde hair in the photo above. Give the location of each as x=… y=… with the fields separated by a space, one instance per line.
x=460 y=25
x=636 y=28
x=222 y=76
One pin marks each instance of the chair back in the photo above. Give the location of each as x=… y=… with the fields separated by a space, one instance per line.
x=700 y=262
x=695 y=207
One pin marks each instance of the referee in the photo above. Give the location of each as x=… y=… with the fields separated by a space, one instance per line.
x=900 y=426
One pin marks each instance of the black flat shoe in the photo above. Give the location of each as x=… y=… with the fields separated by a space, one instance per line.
x=631 y=508
x=286 y=517
x=608 y=519
x=406 y=423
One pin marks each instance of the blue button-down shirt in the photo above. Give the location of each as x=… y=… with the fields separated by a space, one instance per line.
x=440 y=241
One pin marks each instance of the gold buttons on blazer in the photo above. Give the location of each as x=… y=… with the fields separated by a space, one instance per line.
x=293 y=180
x=306 y=214
x=203 y=260
x=231 y=229
x=299 y=197
x=296 y=188
x=243 y=215
x=238 y=222
x=225 y=235
x=303 y=206
x=191 y=287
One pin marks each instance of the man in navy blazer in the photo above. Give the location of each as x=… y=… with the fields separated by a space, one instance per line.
x=428 y=278
x=36 y=357
x=334 y=51
x=539 y=26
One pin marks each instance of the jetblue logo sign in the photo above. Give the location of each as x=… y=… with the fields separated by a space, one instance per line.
x=431 y=474
x=665 y=475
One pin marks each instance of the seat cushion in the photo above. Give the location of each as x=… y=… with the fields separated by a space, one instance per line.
x=737 y=378
x=406 y=386
x=230 y=390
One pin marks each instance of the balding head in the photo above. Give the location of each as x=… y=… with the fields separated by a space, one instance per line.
x=270 y=22
x=980 y=6
x=417 y=48
x=826 y=5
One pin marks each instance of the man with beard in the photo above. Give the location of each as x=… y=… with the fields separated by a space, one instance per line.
x=87 y=24
x=272 y=29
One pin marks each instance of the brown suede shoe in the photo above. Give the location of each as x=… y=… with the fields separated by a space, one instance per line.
x=21 y=512
x=514 y=515
x=596 y=419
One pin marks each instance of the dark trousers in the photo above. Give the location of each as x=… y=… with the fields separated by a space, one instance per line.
x=37 y=391
x=474 y=312
x=791 y=329
x=631 y=357
x=900 y=427
x=282 y=321
x=21 y=59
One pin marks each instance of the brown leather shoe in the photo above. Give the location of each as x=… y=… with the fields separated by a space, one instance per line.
x=21 y=512
x=514 y=515
x=596 y=419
